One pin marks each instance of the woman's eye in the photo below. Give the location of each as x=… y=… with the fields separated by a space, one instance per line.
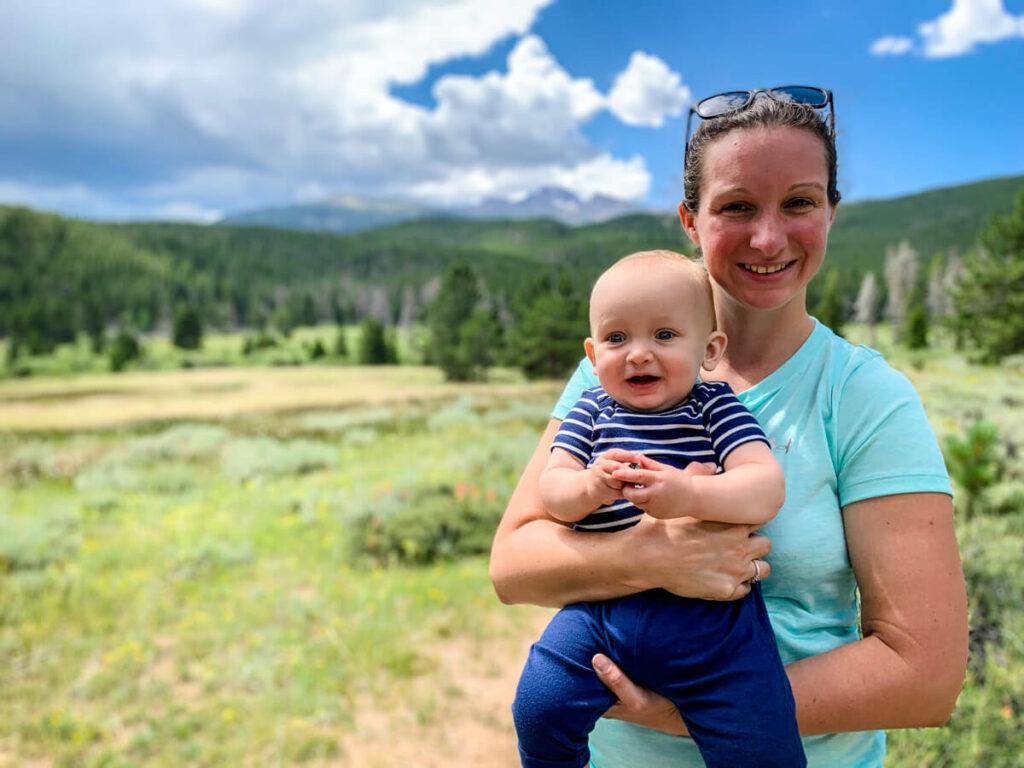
x=801 y=202
x=735 y=208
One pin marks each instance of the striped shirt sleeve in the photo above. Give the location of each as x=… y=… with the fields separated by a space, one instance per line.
x=727 y=420
x=576 y=434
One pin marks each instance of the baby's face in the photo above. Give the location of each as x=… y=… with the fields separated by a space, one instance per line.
x=649 y=329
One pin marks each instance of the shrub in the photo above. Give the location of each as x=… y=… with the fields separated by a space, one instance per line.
x=31 y=543
x=426 y=525
x=124 y=349
x=251 y=457
x=972 y=461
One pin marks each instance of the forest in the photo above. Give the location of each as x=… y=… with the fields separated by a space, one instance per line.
x=119 y=284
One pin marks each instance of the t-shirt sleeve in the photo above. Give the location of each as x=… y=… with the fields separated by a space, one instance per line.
x=728 y=421
x=582 y=380
x=886 y=445
x=576 y=435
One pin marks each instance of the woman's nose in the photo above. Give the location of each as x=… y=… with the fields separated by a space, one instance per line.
x=769 y=233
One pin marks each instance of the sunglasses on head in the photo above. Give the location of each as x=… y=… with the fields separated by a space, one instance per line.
x=734 y=101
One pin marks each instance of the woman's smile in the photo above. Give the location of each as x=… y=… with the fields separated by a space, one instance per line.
x=767 y=269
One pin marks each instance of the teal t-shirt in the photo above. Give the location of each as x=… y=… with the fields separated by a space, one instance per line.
x=845 y=427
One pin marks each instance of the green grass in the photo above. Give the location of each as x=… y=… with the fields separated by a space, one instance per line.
x=191 y=596
x=231 y=591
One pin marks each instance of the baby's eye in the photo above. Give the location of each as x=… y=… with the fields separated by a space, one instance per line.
x=665 y=335
x=616 y=338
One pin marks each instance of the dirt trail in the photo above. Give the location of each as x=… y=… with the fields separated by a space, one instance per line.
x=457 y=717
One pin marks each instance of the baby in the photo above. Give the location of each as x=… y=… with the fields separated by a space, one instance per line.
x=619 y=454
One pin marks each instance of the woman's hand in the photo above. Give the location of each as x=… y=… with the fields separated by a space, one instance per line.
x=641 y=706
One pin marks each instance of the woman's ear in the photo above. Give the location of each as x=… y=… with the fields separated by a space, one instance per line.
x=689 y=222
x=714 y=350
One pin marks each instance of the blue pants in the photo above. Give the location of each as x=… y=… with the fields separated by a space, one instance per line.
x=716 y=661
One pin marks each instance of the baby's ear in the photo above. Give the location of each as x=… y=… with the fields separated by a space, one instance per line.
x=714 y=350
x=588 y=345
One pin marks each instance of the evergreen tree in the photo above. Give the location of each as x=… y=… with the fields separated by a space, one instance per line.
x=548 y=339
x=480 y=341
x=830 y=309
x=341 y=343
x=455 y=302
x=374 y=346
x=989 y=297
x=124 y=349
x=916 y=332
x=94 y=324
x=188 y=327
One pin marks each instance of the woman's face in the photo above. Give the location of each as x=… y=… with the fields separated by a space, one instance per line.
x=764 y=215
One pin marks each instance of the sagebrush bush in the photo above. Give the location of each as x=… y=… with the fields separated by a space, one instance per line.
x=34 y=542
x=423 y=526
x=250 y=457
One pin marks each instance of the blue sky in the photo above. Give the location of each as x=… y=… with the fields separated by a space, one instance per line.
x=187 y=109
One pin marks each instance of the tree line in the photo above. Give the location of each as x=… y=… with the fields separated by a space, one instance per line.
x=497 y=293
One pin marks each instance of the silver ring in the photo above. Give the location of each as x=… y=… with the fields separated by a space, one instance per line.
x=757 y=573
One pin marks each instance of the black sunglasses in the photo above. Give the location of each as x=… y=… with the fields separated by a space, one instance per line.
x=733 y=101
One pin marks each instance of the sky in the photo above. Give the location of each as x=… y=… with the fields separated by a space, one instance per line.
x=193 y=109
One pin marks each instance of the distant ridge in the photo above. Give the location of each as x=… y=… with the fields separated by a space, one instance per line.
x=349 y=214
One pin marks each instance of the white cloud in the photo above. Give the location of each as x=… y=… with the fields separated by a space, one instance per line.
x=647 y=91
x=214 y=105
x=181 y=210
x=623 y=179
x=891 y=45
x=958 y=31
x=966 y=24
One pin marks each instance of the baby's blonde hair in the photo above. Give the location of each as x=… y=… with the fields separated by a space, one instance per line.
x=693 y=269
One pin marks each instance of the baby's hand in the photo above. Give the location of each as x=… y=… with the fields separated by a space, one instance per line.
x=604 y=488
x=658 y=489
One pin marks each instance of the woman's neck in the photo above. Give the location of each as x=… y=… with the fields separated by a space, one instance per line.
x=759 y=340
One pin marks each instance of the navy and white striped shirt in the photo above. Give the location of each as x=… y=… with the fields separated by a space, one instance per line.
x=705 y=427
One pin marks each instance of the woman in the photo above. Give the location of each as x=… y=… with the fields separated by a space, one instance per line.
x=868 y=504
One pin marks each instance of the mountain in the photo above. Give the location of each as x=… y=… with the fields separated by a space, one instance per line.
x=348 y=214
x=552 y=203
x=342 y=214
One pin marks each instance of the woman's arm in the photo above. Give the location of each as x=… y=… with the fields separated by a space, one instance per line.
x=908 y=669
x=535 y=559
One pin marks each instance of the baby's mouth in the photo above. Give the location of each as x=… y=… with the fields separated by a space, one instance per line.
x=642 y=379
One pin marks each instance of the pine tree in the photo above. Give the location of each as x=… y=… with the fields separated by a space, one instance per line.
x=374 y=346
x=989 y=297
x=188 y=327
x=453 y=306
x=830 y=309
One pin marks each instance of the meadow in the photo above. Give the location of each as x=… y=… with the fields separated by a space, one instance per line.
x=278 y=566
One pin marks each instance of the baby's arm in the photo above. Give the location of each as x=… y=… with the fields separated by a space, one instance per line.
x=570 y=491
x=750 y=491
